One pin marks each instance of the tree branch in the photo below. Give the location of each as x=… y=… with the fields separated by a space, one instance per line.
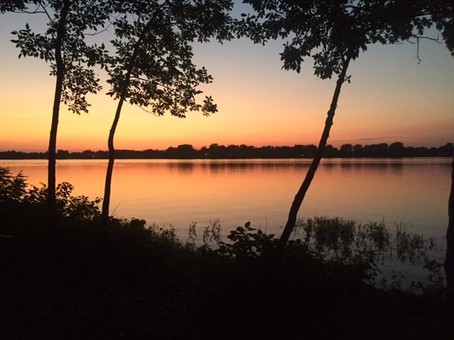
x=152 y=81
x=45 y=11
x=149 y=111
x=99 y=32
x=418 y=38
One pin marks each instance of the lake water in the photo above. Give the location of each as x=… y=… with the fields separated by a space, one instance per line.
x=413 y=192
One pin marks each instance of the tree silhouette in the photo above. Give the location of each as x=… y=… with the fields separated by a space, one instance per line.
x=449 y=259
x=13 y=5
x=334 y=33
x=152 y=63
x=71 y=59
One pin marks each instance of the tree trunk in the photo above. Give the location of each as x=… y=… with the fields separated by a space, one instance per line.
x=51 y=167
x=110 y=143
x=449 y=260
x=299 y=197
x=110 y=166
x=52 y=150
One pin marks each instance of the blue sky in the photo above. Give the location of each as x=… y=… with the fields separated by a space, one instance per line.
x=392 y=97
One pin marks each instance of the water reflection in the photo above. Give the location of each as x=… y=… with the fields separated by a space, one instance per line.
x=411 y=191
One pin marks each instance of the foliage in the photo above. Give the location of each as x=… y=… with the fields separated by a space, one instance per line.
x=232 y=151
x=77 y=55
x=76 y=208
x=12 y=188
x=23 y=206
x=410 y=247
x=138 y=268
x=358 y=251
x=328 y=30
x=339 y=238
x=247 y=242
x=373 y=248
x=442 y=14
x=334 y=33
x=341 y=245
x=151 y=65
x=212 y=233
x=72 y=61
x=14 y=5
x=344 y=246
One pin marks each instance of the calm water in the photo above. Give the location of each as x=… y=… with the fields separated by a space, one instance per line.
x=178 y=192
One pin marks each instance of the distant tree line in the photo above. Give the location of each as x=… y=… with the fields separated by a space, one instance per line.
x=216 y=151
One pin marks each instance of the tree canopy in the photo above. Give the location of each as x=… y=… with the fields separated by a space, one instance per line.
x=64 y=39
x=334 y=33
x=13 y=5
x=151 y=65
x=329 y=30
x=72 y=59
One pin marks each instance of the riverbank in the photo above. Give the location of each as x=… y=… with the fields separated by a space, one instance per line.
x=142 y=283
x=137 y=281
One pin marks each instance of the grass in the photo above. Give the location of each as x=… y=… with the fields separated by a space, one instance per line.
x=145 y=283
x=142 y=282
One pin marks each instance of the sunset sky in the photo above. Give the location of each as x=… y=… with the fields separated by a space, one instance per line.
x=391 y=98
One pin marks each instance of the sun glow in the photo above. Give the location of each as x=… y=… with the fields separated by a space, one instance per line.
x=391 y=98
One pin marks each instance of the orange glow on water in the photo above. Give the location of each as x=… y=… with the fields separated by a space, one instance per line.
x=411 y=191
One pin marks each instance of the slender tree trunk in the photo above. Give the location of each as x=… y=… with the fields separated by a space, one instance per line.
x=51 y=168
x=299 y=197
x=110 y=165
x=449 y=260
x=52 y=150
x=110 y=143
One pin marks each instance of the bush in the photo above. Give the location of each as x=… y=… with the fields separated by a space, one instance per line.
x=23 y=207
x=330 y=248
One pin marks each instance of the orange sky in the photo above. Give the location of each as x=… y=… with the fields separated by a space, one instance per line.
x=391 y=98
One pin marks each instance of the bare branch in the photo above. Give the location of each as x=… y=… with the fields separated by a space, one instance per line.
x=29 y=11
x=418 y=38
x=99 y=32
x=149 y=111
x=45 y=11
x=24 y=11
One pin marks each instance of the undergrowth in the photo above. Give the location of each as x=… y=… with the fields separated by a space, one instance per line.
x=142 y=281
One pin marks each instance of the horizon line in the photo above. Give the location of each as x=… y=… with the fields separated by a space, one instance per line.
x=228 y=145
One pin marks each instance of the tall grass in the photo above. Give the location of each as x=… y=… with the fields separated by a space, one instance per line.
x=370 y=252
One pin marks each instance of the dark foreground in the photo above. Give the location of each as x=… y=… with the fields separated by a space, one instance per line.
x=137 y=283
